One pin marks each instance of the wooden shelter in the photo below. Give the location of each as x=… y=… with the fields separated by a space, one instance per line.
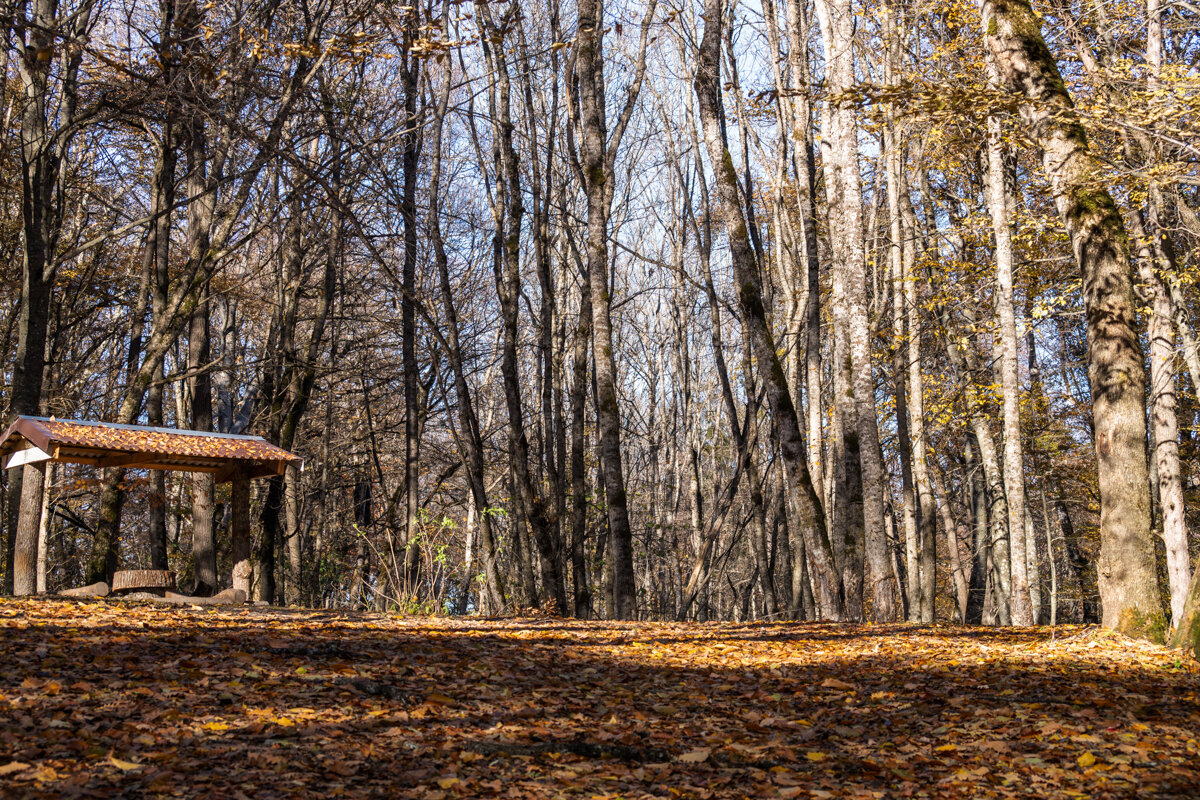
x=32 y=442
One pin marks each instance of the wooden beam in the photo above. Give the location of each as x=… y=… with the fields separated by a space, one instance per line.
x=127 y=460
x=239 y=526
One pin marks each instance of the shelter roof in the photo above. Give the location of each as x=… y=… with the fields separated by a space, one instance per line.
x=104 y=444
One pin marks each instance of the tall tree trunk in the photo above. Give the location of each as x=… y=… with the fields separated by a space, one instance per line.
x=204 y=552
x=579 y=500
x=598 y=151
x=541 y=186
x=809 y=516
x=1155 y=264
x=468 y=420
x=981 y=550
x=900 y=278
x=1128 y=584
x=1014 y=464
x=44 y=36
x=507 y=211
x=410 y=152
x=857 y=395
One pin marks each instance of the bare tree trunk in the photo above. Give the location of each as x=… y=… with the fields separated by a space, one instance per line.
x=981 y=549
x=962 y=361
x=809 y=516
x=901 y=354
x=508 y=211
x=40 y=32
x=410 y=71
x=204 y=552
x=1187 y=631
x=1014 y=463
x=579 y=501
x=43 y=554
x=26 y=539
x=541 y=186
x=598 y=151
x=469 y=433
x=860 y=427
x=958 y=572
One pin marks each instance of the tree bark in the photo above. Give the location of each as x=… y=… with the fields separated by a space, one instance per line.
x=598 y=150
x=469 y=432
x=26 y=547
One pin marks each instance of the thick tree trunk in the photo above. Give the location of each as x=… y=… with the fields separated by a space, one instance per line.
x=48 y=100
x=239 y=528
x=1128 y=584
x=26 y=539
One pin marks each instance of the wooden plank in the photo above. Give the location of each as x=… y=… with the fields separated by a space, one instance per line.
x=128 y=460
x=29 y=455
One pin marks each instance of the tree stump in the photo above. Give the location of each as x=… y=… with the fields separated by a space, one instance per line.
x=154 y=581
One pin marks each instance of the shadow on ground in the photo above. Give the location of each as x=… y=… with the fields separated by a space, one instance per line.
x=110 y=700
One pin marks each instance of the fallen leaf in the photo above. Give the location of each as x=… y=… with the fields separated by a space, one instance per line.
x=696 y=756
x=124 y=766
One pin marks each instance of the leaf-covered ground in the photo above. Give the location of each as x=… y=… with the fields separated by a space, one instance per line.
x=107 y=699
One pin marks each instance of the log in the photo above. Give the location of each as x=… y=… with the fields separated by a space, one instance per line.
x=153 y=580
x=93 y=590
x=227 y=597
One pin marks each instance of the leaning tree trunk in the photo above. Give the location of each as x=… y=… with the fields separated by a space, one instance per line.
x=1128 y=583
x=809 y=517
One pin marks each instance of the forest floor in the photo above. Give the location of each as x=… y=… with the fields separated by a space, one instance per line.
x=111 y=699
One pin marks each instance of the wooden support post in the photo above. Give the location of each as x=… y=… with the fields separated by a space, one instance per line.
x=240 y=530
x=25 y=551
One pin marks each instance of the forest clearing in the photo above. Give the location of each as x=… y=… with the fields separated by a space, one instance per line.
x=711 y=396
x=104 y=699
